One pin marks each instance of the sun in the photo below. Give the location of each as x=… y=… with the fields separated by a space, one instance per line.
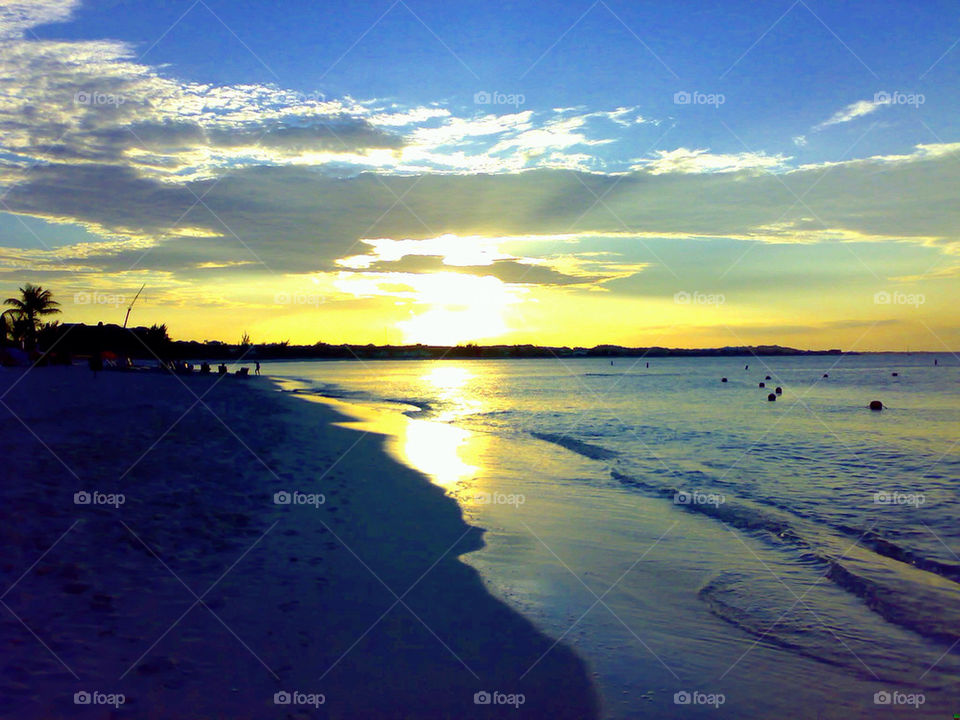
x=459 y=308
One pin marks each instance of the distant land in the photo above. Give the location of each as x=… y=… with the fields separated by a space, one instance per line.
x=147 y=343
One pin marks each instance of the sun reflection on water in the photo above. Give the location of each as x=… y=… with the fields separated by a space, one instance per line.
x=450 y=384
x=435 y=448
x=445 y=452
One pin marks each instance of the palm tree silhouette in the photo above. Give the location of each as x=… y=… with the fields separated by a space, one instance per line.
x=27 y=311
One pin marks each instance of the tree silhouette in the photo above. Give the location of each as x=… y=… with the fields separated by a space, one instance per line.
x=27 y=312
x=158 y=339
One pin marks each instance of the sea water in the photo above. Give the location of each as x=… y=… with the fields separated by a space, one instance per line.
x=706 y=550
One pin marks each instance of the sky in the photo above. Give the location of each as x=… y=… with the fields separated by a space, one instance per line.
x=679 y=174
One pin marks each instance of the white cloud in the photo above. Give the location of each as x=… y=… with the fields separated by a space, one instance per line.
x=921 y=152
x=18 y=16
x=558 y=134
x=409 y=116
x=850 y=112
x=455 y=129
x=683 y=160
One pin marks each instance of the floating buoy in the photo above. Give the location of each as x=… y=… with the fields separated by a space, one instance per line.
x=779 y=390
x=771 y=397
x=876 y=405
x=723 y=379
x=767 y=377
x=895 y=374
x=763 y=384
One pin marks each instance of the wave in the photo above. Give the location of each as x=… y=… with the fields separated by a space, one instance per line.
x=588 y=450
x=884 y=546
x=329 y=392
x=421 y=405
x=834 y=632
x=912 y=597
x=415 y=406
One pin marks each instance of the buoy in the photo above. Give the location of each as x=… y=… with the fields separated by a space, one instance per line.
x=767 y=377
x=779 y=390
x=771 y=397
x=763 y=384
x=723 y=379
x=876 y=405
x=895 y=374
x=826 y=375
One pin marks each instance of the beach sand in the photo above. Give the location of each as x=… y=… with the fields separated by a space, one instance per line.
x=201 y=597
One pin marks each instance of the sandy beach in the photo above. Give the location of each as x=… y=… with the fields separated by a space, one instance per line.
x=149 y=559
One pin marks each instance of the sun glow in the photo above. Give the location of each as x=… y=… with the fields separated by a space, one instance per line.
x=459 y=308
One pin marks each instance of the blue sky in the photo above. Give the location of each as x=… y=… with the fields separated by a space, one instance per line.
x=569 y=154
x=783 y=67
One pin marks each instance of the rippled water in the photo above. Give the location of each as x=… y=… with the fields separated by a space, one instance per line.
x=851 y=513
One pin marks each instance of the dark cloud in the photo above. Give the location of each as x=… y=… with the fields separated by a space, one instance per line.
x=299 y=219
x=341 y=135
x=509 y=271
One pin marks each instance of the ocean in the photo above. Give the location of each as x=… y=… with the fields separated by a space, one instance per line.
x=706 y=550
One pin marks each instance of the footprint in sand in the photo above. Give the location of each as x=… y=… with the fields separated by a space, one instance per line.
x=156 y=665
x=101 y=602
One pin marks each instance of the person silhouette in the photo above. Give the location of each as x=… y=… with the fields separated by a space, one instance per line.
x=257 y=371
x=96 y=363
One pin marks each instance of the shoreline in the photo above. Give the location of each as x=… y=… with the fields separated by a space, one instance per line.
x=580 y=530
x=361 y=598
